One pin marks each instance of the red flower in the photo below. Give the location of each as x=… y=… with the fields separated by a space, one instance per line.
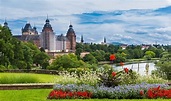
x=126 y=70
x=121 y=64
x=112 y=57
x=150 y=93
x=141 y=92
x=113 y=74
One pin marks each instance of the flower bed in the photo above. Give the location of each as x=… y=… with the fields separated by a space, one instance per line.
x=136 y=91
x=125 y=84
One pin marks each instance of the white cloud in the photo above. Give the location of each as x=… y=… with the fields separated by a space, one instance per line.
x=130 y=30
x=22 y=8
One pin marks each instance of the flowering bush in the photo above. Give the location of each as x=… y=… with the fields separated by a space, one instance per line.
x=70 y=91
x=117 y=92
x=88 y=77
x=60 y=94
x=157 y=92
x=112 y=78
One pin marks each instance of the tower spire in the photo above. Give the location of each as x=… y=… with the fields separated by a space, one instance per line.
x=6 y=24
x=82 y=40
x=104 y=39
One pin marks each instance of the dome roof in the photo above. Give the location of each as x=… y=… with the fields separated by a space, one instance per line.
x=47 y=21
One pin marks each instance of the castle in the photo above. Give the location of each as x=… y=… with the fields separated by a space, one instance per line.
x=47 y=38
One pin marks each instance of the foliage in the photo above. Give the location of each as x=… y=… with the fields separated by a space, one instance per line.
x=99 y=55
x=102 y=52
x=42 y=59
x=89 y=58
x=120 y=58
x=86 y=77
x=112 y=78
x=66 y=61
x=16 y=53
x=150 y=79
x=149 y=55
x=164 y=67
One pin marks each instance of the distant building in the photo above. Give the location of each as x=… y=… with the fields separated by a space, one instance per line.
x=124 y=46
x=104 y=41
x=48 y=39
x=143 y=46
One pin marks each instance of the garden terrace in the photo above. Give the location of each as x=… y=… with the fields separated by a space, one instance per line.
x=42 y=71
x=26 y=86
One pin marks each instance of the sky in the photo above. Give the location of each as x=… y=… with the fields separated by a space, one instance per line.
x=123 y=21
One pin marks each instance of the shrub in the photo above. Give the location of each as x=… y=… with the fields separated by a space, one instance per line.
x=150 y=79
x=86 y=77
x=66 y=61
x=156 y=92
x=118 y=92
x=164 y=67
x=112 y=78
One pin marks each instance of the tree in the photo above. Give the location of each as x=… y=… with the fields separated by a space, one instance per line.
x=41 y=59
x=66 y=61
x=6 y=47
x=149 y=55
x=164 y=67
x=89 y=58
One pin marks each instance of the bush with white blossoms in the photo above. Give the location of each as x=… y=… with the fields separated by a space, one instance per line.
x=87 y=77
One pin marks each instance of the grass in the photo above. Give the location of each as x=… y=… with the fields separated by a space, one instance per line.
x=41 y=95
x=11 y=78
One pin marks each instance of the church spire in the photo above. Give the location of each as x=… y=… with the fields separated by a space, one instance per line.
x=82 y=40
x=104 y=39
x=47 y=20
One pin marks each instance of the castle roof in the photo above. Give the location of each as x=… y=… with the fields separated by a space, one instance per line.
x=61 y=38
x=27 y=37
x=47 y=25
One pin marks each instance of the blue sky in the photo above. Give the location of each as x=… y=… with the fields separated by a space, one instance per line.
x=124 y=21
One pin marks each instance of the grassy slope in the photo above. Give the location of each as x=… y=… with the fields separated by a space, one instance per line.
x=41 y=77
x=41 y=95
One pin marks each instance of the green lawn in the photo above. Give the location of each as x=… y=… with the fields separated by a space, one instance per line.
x=41 y=78
x=41 y=95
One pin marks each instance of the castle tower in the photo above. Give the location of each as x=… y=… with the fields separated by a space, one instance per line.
x=35 y=30
x=48 y=37
x=28 y=30
x=72 y=38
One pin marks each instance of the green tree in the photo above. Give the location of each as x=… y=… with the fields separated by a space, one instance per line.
x=89 y=58
x=41 y=59
x=164 y=67
x=149 y=55
x=6 y=47
x=66 y=61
